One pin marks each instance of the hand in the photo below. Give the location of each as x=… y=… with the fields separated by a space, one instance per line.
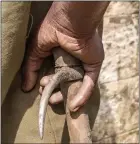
x=86 y=46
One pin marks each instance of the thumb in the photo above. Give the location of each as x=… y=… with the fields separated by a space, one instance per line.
x=30 y=73
x=32 y=63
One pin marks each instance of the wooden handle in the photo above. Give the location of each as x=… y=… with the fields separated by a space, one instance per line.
x=78 y=122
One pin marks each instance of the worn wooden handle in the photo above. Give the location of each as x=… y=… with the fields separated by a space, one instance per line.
x=69 y=74
x=78 y=122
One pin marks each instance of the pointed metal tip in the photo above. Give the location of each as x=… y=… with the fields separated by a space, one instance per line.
x=41 y=126
x=41 y=136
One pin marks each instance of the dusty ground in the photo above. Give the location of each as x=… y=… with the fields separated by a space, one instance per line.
x=117 y=119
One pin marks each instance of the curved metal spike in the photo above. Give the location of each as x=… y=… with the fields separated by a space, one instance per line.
x=65 y=74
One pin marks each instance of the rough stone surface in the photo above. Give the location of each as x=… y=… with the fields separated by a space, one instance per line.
x=128 y=137
x=122 y=8
x=119 y=81
x=119 y=108
x=121 y=49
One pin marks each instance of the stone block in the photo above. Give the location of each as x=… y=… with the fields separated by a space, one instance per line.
x=119 y=108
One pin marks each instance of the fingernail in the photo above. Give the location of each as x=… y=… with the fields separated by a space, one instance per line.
x=73 y=107
x=23 y=87
x=24 y=84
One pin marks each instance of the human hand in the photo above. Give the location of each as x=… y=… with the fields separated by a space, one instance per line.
x=83 y=43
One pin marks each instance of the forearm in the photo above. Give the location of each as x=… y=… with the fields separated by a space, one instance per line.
x=81 y=17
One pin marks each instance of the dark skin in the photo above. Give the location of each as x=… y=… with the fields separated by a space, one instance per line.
x=62 y=27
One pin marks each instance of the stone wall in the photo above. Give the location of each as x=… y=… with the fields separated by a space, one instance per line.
x=117 y=119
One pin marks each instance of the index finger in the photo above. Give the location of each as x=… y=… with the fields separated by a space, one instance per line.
x=86 y=89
